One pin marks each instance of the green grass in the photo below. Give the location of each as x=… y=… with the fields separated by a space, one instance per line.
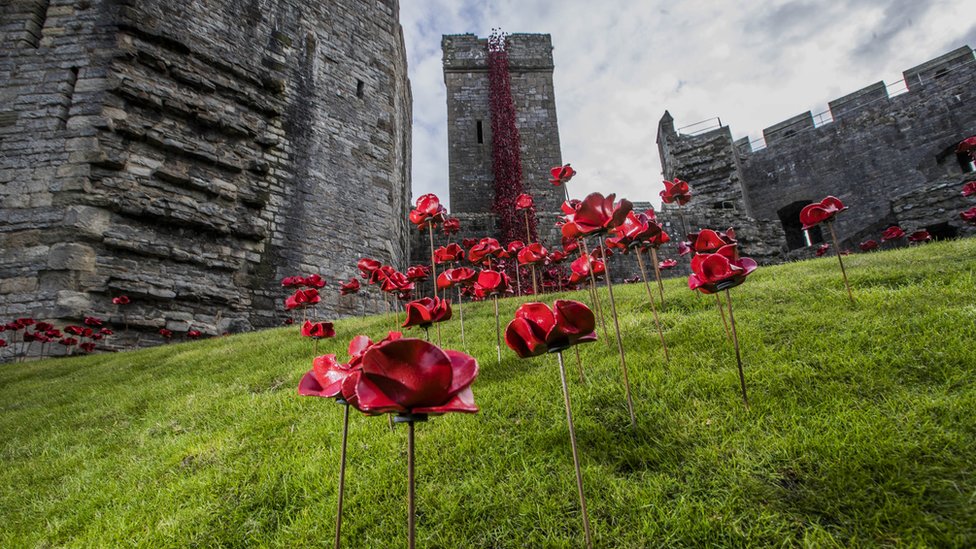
x=862 y=430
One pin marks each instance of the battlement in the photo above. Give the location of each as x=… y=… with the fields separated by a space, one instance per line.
x=469 y=53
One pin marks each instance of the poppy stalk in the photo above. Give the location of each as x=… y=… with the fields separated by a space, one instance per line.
x=433 y=263
x=342 y=471
x=721 y=310
x=410 y=419
x=518 y=279
x=596 y=293
x=738 y=356
x=840 y=259
x=620 y=342
x=498 y=331
x=461 y=314
x=528 y=240
x=657 y=274
x=572 y=442
x=650 y=297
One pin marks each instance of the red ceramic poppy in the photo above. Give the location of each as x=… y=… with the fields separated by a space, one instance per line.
x=557 y=256
x=708 y=241
x=302 y=298
x=893 y=232
x=822 y=249
x=351 y=287
x=396 y=282
x=411 y=376
x=367 y=266
x=514 y=247
x=3 y=343
x=632 y=280
x=532 y=254
x=462 y=276
x=167 y=334
x=24 y=322
x=969 y=189
x=428 y=210
x=106 y=332
x=684 y=248
x=427 y=311
x=93 y=321
x=491 y=283
x=659 y=238
x=193 y=334
x=676 y=191
x=74 y=330
x=868 y=245
x=581 y=268
x=967 y=146
x=449 y=254
x=561 y=175
x=451 y=226
x=314 y=281
x=711 y=273
x=293 y=282
x=813 y=214
x=920 y=236
x=88 y=347
x=418 y=273
x=598 y=213
x=524 y=202
x=969 y=216
x=68 y=341
x=667 y=264
x=327 y=374
x=485 y=248
x=121 y=300
x=42 y=327
x=636 y=229
x=537 y=329
x=318 y=330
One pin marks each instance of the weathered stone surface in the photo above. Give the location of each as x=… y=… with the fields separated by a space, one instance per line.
x=191 y=153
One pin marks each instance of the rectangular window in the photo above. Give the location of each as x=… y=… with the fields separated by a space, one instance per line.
x=360 y=89
x=481 y=133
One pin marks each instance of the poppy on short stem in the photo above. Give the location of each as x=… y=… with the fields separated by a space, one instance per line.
x=824 y=212
x=538 y=329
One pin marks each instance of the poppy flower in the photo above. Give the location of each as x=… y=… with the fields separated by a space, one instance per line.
x=29 y=336
x=967 y=146
x=532 y=254
x=468 y=242
x=68 y=341
x=893 y=232
x=288 y=321
x=121 y=300
x=318 y=330
x=868 y=245
x=822 y=249
x=293 y=282
x=676 y=191
x=684 y=248
x=3 y=343
x=969 y=216
x=88 y=347
x=920 y=236
x=74 y=330
x=969 y=189
x=632 y=280
x=25 y=322
x=813 y=214
x=396 y=282
x=418 y=273
x=711 y=273
x=428 y=210
x=514 y=247
x=93 y=321
x=412 y=376
x=491 y=283
x=427 y=311
x=327 y=374
x=449 y=254
x=556 y=257
x=42 y=326
x=524 y=202
x=351 y=287
x=659 y=238
x=315 y=281
x=167 y=334
x=367 y=267
x=636 y=228
x=537 y=329
x=193 y=334
x=451 y=226
x=485 y=248
x=667 y=264
x=453 y=277
x=106 y=332
x=598 y=213
x=708 y=241
x=302 y=298
x=581 y=268
x=561 y=175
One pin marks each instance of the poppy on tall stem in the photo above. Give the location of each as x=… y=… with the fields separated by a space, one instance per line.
x=414 y=380
x=429 y=212
x=722 y=271
x=824 y=212
x=490 y=284
x=460 y=277
x=537 y=330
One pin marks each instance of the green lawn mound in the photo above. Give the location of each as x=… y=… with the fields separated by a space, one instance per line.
x=862 y=430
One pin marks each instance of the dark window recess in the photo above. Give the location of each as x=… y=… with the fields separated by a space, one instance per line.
x=360 y=88
x=481 y=132
x=965 y=162
x=69 y=97
x=796 y=237
x=942 y=231
x=724 y=205
x=941 y=72
x=788 y=134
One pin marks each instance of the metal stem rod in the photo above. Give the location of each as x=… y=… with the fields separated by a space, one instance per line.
x=620 y=342
x=572 y=442
x=738 y=357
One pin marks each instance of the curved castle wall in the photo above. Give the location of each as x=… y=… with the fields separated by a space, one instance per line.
x=191 y=153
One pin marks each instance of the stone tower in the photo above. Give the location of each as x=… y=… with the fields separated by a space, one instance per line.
x=191 y=153
x=469 y=128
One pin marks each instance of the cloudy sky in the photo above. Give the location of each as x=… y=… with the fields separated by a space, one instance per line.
x=621 y=63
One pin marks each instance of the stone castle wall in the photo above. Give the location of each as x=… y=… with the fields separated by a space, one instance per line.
x=192 y=153
x=876 y=148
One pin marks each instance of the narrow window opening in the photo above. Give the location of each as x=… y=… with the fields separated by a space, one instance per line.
x=360 y=89
x=68 y=97
x=481 y=132
x=796 y=237
x=966 y=162
x=942 y=231
x=941 y=72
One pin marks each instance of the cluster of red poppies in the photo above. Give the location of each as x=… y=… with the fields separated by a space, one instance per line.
x=28 y=332
x=969 y=189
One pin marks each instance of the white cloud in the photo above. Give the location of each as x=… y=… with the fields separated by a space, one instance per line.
x=621 y=63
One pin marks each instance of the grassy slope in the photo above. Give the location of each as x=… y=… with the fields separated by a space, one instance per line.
x=862 y=431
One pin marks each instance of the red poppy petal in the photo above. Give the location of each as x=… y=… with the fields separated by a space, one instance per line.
x=465 y=370
x=462 y=402
x=369 y=398
x=521 y=338
x=410 y=372
x=309 y=386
